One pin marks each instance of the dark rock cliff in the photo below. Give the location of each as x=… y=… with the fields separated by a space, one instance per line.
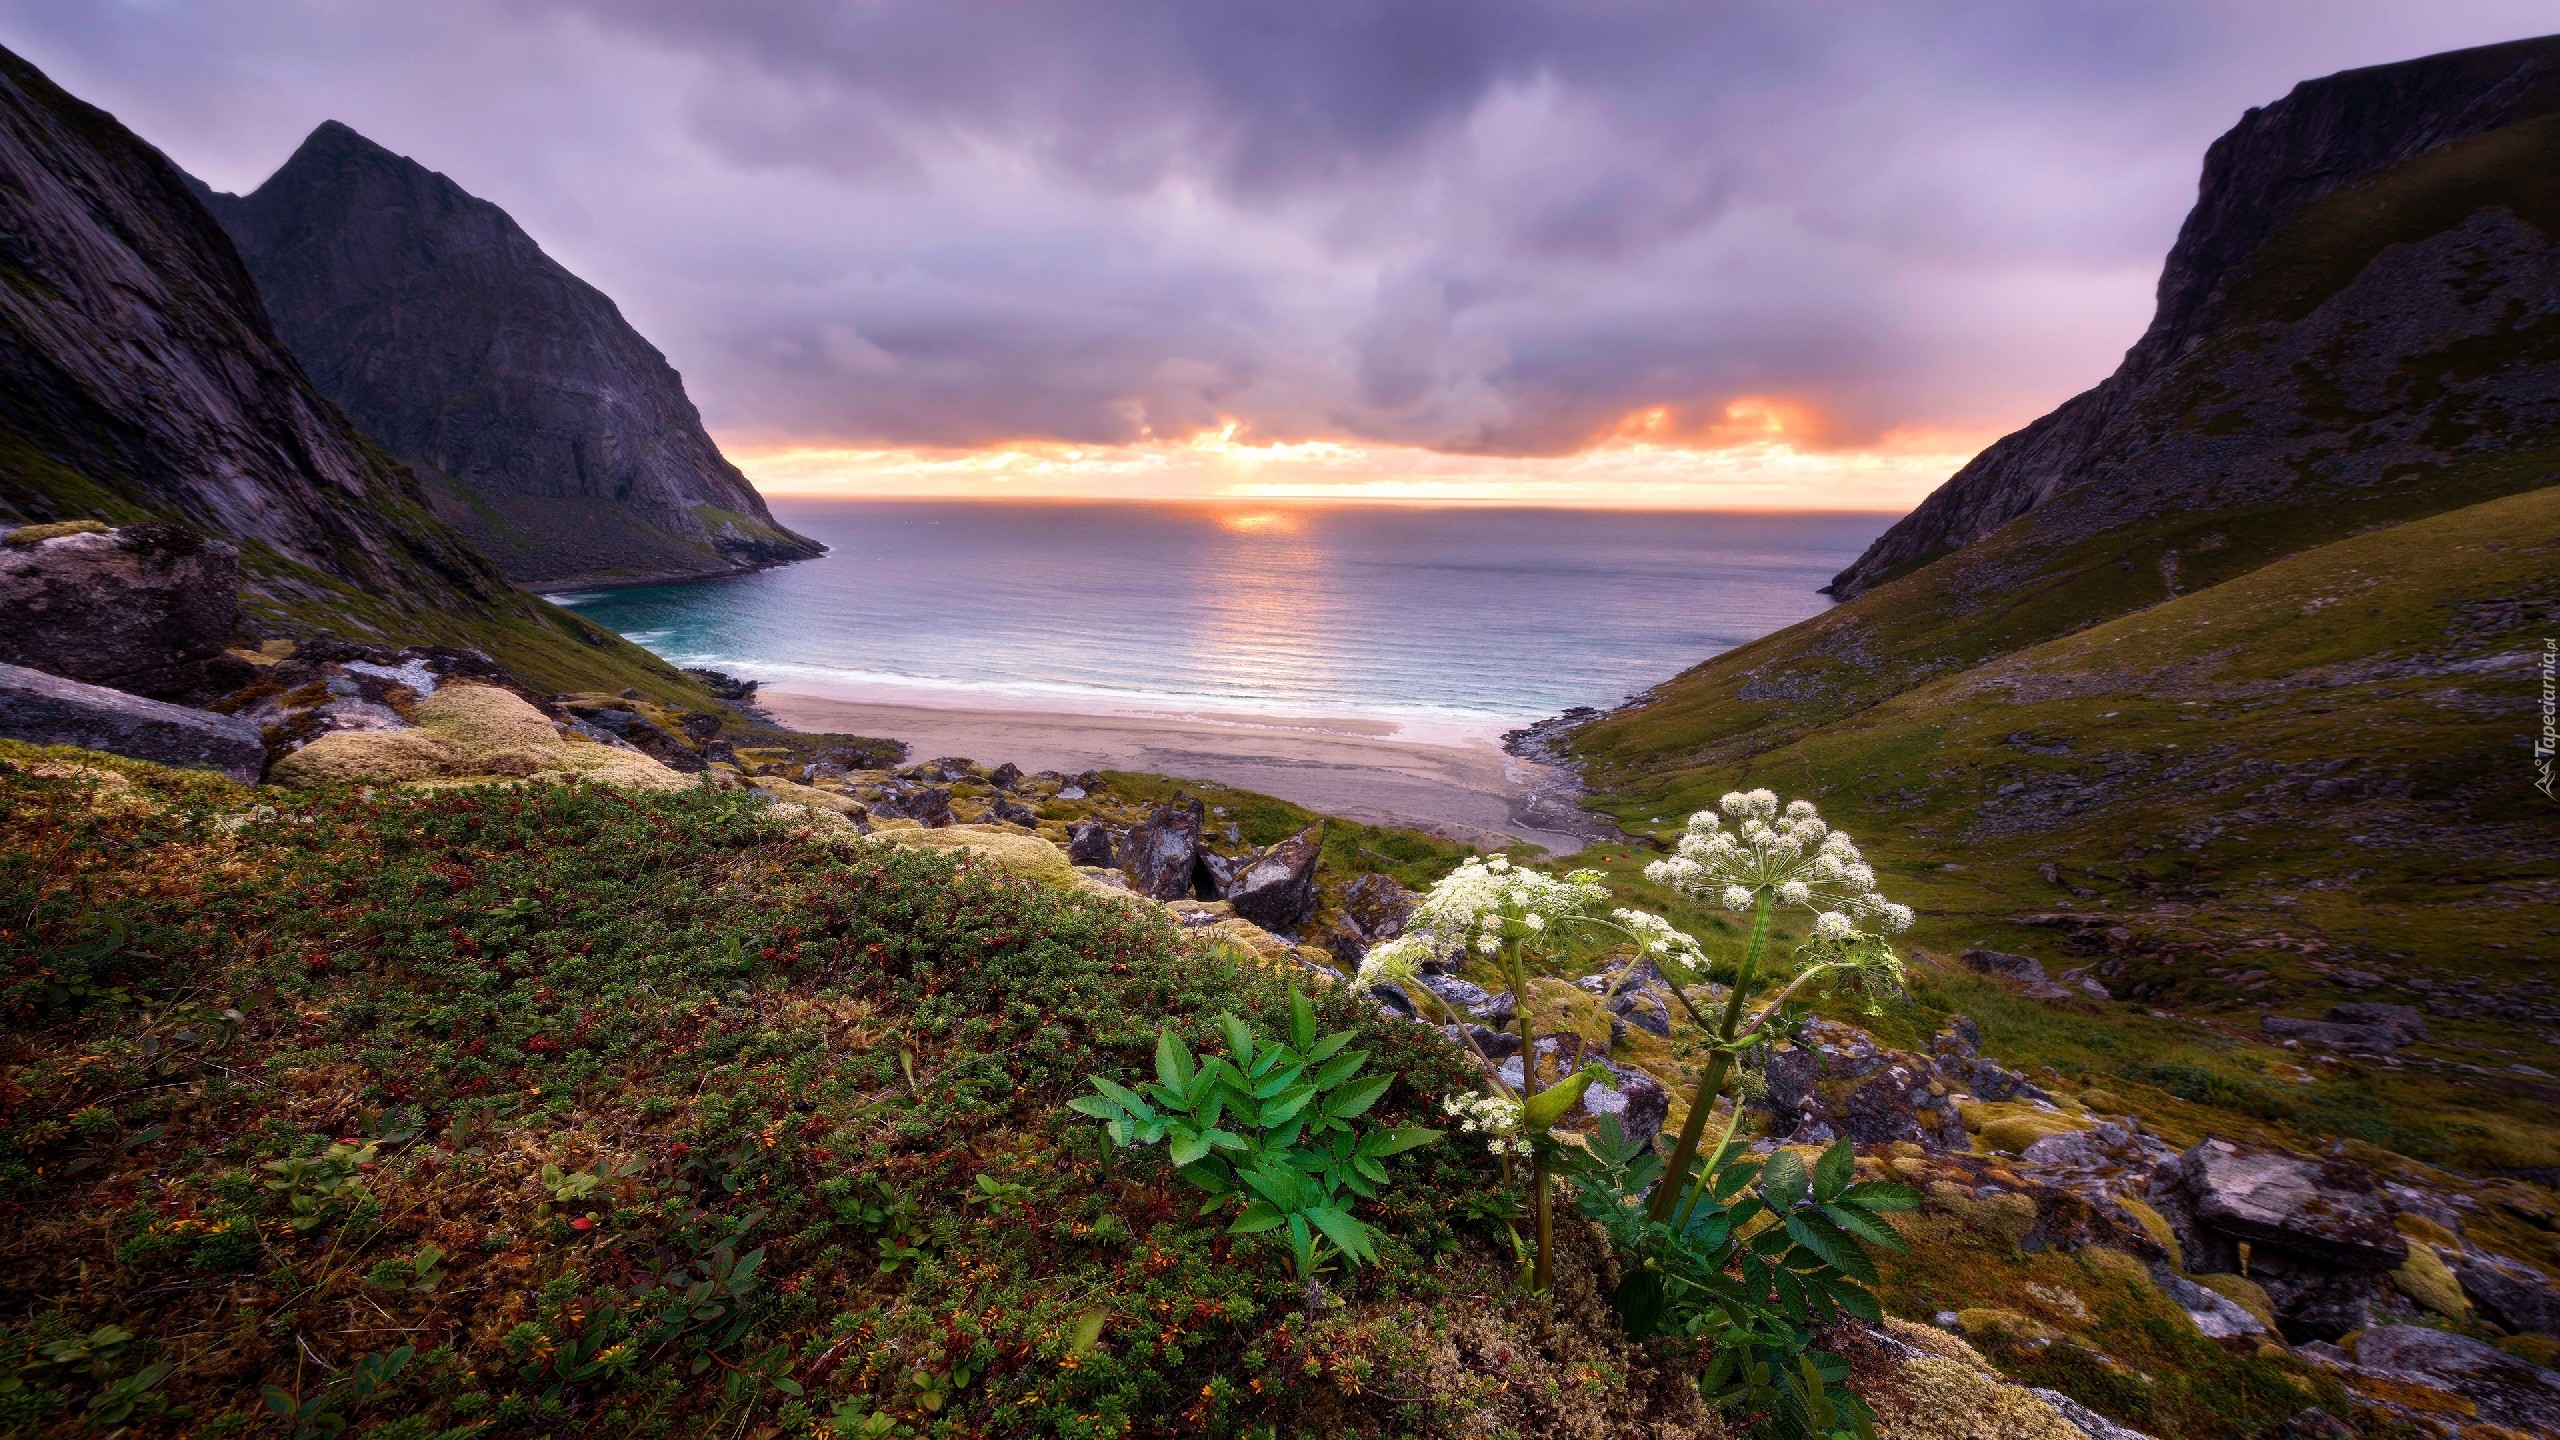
x=139 y=378
x=2349 y=224
x=435 y=322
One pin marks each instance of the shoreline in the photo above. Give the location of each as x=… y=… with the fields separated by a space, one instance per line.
x=1359 y=769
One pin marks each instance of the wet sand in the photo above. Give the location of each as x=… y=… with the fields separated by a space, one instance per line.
x=1459 y=785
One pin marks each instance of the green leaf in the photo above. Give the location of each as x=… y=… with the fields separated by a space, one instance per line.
x=1088 y=1330
x=1278 y=1082
x=1173 y=1060
x=1283 y=1107
x=1881 y=1196
x=1329 y=1044
x=1348 y=1235
x=1341 y=1068
x=1257 y=1217
x=1302 y=1020
x=1838 y=1250
x=1380 y=1144
x=1866 y=1227
x=1225 y=1140
x=1239 y=1038
x=1833 y=1172
x=1097 y=1107
x=1782 y=1181
x=1126 y=1098
x=1188 y=1145
x=1357 y=1098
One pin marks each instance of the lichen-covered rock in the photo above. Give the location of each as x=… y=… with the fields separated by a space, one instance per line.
x=2323 y=1210
x=2503 y=1389
x=2513 y=1294
x=147 y=609
x=468 y=731
x=49 y=710
x=1090 y=842
x=1933 y=1386
x=1025 y=855
x=1277 y=888
x=1161 y=853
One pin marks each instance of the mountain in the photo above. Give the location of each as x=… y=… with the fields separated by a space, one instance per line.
x=2222 y=680
x=563 y=442
x=140 y=379
x=2362 y=257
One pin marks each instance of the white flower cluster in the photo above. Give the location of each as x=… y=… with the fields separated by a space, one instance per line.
x=1494 y=1117
x=1659 y=941
x=1485 y=902
x=1803 y=864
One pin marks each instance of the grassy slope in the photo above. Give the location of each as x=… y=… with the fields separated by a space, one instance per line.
x=2291 y=769
x=761 y=1041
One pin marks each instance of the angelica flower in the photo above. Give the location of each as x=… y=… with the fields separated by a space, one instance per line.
x=1788 y=854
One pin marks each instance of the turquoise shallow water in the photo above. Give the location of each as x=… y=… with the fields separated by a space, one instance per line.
x=1430 y=617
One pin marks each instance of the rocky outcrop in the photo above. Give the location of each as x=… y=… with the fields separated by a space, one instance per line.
x=2320 y=1233
x=1277 y=888
x=1161 y=853
x=434 y=321
x=2487 y=1382
x=467 y=731
x=46 y=709
x=2186 y=420
x=148 y=609
x=139 y=377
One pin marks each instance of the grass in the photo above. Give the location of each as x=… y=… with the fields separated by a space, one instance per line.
x=2292 y=774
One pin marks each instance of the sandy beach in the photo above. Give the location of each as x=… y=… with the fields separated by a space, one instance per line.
x=1359 y=769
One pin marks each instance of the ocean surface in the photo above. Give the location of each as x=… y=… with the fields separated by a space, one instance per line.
x=1438 y=619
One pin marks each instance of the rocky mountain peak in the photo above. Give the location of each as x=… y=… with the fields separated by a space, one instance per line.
x=2327 y=136
x=567 y=446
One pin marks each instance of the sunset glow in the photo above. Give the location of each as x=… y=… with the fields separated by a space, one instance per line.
x=1633 y=469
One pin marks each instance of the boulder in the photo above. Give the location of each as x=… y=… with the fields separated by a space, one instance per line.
x=147 y=609
x=1162 y=852
x=468 y=731
x=49 y=710
x=1090 y=843
x=2406 y=1022
x=1379 y=906
x=2506 y=1390
x=2515 y=1295
x=927 y=805
x=1212 y=873
x=1277 y=889
x=1008 y=811
x=2026 y=971
x=2218 y=1316
x=2327 y=1211
x=2330 y=1035
x=650 y=739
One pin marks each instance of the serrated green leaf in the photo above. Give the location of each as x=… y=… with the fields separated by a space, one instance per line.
x=1284 y=1107
x=1339 y=1069
x=1239 y=1038
x=1329 y=1044
x=1276 y=1082
x=1866 y=1227
x=1302 y=1020
x=1095 y=1106
x=1188 y=1146
x=1257 y=1217
x=1348 y=1235
x=1382 y=1143
x=1173 y=1060
x=1357 y=1097
x=1833 y=1172
x=1881 y=1196
x=1783 y=1182
x=1126 y=1098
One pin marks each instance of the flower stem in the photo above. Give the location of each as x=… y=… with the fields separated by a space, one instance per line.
x=1675 y=1174
x=1540 y=1203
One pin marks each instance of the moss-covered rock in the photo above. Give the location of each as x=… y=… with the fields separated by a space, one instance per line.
x=468 y=732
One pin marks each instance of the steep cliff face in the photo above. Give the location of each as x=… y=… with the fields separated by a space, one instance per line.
x=435 y=322
x=140 y=381
x=2394 y=169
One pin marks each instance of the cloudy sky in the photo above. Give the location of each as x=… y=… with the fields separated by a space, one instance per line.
x=1602 y=251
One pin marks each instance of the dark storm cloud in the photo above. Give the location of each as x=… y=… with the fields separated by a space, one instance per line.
x=1471 y=224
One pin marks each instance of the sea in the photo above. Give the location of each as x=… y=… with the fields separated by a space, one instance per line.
x=1446 y=621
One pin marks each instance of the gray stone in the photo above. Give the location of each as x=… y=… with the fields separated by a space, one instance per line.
x=1090 y=843
x=2324 y=1210
x=2219 y=1317
x=2507 y=1390
x=1378 y=905
x=1277 y=889
x=2407 y=1022
x=49 y=710
x=2360 y=1039
x=2083 y=1419
x=1161 y=853
x=1008 y=811
x=2514 y=1295
x=146 y=609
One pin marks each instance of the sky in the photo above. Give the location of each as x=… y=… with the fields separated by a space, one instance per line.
x=1786 y=254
